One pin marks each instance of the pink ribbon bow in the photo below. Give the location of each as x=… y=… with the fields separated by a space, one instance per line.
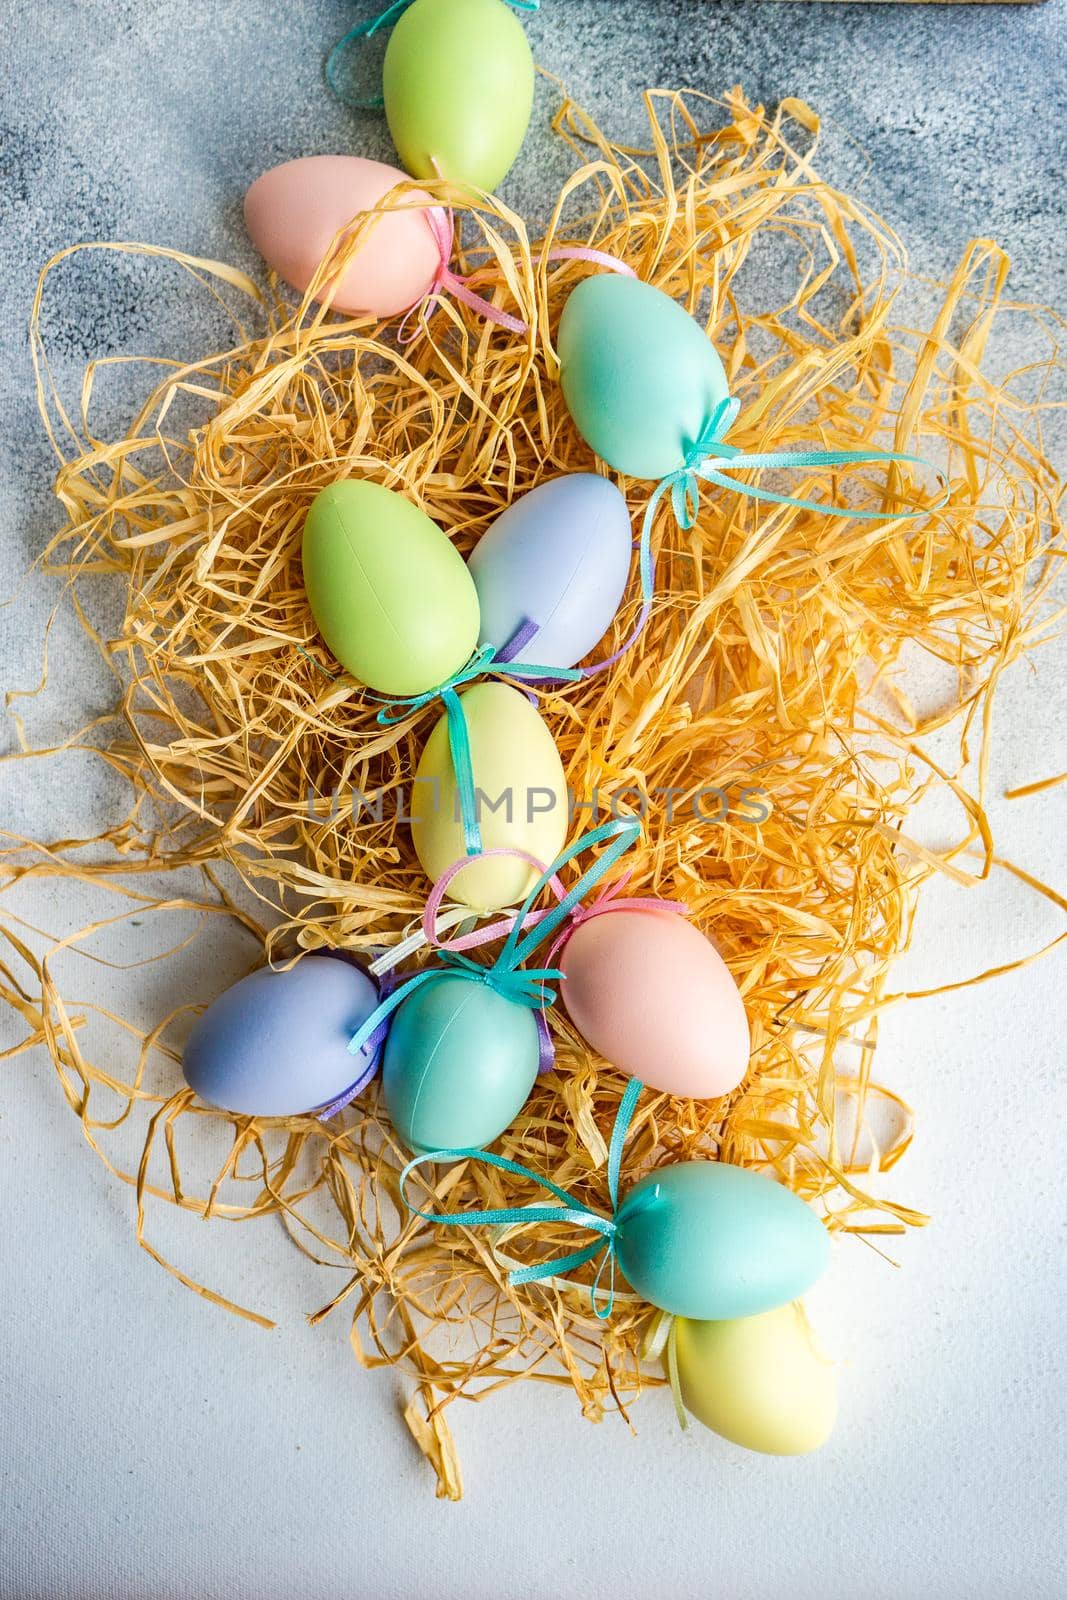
x=442 y=225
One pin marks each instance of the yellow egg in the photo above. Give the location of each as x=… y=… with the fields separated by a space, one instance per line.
x=524 y=806
x=759 y=1381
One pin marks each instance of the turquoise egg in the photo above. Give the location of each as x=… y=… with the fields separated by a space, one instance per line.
x=459 y=1064
x=718 y=1241
x=639 y=375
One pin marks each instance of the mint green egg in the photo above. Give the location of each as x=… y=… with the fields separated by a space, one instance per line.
x=390 y=593
x=458 y=82
x=718 y=1241
x=459 y=1063
x=639 y=375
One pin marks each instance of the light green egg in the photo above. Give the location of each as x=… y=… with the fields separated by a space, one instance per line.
x=519 y=773
x=458 y=83
x=639 y=374
x=390 y=593
x=718 y=1241
x=459 y=1063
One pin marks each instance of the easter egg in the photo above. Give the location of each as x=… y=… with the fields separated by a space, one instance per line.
x=518 y=771
x=390 y=593
x=276 y=1043
x=458 y=81
x=653 y=996
x=459 y=1063
x=639 y=375
x=294 y=213
x=559 y=556
x=708 y=1240
x=759 y=1381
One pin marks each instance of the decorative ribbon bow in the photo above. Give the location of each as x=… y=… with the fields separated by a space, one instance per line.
x=365 y=30
x=507 y=976
x=708 y=460
x=484 y=660
x=524 y=987
x=709 y=455
x=442 y=226
x=571 y=1211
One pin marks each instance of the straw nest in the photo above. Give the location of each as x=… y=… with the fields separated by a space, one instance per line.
x=772 y=661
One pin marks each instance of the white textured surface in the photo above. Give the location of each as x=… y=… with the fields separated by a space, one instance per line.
x=153 y=1447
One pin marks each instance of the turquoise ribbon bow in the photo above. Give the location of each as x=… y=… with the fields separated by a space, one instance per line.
x=366 y=30
x=527 y=986
x=571 y=1211
x=485 y=659
x=709 y=459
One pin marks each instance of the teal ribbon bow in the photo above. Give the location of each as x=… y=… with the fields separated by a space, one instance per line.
x=527 y=986
x=366 y=30
x=710 y=459
x=486 y=659
x=571 y=1211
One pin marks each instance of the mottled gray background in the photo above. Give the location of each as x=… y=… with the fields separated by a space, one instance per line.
x=151 y=1447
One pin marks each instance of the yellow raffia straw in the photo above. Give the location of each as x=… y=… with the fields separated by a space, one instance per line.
x=771 y=662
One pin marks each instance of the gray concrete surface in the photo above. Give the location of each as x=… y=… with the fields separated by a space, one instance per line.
x=151 y=1448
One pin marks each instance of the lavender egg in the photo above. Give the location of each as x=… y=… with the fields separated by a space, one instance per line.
x=276 y=1043
x=559 y=556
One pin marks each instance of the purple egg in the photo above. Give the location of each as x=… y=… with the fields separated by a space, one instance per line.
x=276 y=1043
x=559 y=556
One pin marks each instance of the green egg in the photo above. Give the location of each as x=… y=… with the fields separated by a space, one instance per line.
x=390 y=593
x=718 y=1241
x=458 y=83
x=639 y=374
x=459 y=1063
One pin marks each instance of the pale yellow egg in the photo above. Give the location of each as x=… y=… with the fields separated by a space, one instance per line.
x=759 y=1381
x=522 y=798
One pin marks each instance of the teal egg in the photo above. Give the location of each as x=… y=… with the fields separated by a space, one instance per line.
x=459 y=1063
x=718 y=1241
x=639 y=375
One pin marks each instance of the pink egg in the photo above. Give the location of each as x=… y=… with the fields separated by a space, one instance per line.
x=655 y=998
x=294 y=212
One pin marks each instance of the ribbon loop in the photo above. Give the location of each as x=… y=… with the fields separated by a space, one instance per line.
x=571 y=1212
x=359 y=33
